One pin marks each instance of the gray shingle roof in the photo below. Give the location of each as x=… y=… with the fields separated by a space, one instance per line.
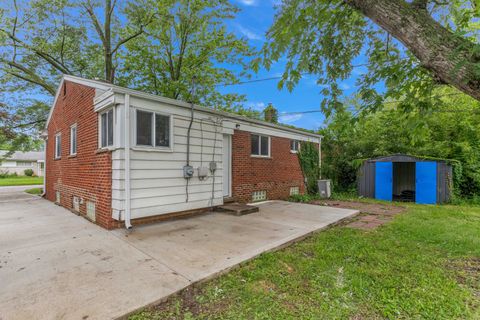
x=28 y=156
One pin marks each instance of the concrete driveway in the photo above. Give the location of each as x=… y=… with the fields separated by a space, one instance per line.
x=56 y=265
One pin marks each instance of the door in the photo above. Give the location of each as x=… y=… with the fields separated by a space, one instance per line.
x=383 y=180
x=227 y=165
x=426 y=182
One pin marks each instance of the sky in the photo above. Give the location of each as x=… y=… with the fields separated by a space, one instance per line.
x=252 y=22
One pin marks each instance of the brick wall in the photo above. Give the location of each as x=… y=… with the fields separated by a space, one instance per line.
x=275 y=174
x=87 y=175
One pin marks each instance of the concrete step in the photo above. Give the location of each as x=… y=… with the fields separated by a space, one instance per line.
x=228 y=200
x=237 y=209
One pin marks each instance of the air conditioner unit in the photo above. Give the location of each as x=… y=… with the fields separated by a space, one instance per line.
x=324 y=188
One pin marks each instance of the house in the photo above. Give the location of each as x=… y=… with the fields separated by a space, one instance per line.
x=182 y=158
x=19 y=161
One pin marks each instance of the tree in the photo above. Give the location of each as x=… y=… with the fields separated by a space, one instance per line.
x=412 y=46
x=187 y=42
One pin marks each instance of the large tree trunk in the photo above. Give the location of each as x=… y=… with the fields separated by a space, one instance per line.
x=449 y=57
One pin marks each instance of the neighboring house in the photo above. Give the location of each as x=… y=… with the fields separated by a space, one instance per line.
x=19 y=161
x=92 y=123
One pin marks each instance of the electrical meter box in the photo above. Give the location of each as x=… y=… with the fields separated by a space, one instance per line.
x=187 y=172
x=202 y=172
x=324 y=188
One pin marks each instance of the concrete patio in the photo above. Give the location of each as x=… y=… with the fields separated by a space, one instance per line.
x=56 y=265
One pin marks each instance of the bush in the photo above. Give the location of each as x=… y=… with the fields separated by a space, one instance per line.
x=304 y=198
x=28 y=172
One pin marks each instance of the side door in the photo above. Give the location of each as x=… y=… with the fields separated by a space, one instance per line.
x=384 y=181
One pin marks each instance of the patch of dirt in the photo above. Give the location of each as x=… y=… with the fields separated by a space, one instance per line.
x=372 y=215
x=467 y=273
x=370 y=208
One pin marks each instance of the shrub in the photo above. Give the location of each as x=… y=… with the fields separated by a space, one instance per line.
x=28 y=172
x=305 y=198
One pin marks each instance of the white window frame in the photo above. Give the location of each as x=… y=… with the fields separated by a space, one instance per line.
x=72 y=127
x=58 y=153
x=153 y=147
x=100 y=129
x=260 y=146
x=295 y=142
x=24 y=164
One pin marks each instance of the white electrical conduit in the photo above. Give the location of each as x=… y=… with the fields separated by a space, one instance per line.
x=126 y=110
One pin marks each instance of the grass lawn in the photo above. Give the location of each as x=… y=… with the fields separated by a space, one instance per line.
x=20 y=181
x=35 y=191
x=425 y=264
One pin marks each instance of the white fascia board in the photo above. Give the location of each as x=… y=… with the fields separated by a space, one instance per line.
x=259 y=129
x=254 y=123
x=104 y=101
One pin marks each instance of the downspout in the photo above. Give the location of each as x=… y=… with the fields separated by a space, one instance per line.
x=44 y=167
x=126 y=109
x=320 y=157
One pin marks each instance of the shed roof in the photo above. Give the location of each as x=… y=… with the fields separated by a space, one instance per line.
x=400 y=157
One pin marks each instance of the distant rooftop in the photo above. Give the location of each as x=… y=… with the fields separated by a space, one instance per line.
x=27 y=156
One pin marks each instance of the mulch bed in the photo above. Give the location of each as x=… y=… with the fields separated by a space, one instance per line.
x=372 y=215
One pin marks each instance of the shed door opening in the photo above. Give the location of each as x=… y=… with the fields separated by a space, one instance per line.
x=404 y=181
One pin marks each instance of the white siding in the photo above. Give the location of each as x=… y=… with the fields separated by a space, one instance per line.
x=157 y=183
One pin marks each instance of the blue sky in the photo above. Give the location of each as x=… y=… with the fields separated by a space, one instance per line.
x=252 y=22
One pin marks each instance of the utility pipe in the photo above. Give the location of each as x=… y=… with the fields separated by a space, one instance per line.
x=126 y=110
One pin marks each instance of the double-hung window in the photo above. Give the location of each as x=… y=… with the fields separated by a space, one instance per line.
x=294 y=146
x=58 y=145
x=260 y=145
x=152 y=129
x=73 y=139
x=106 y=129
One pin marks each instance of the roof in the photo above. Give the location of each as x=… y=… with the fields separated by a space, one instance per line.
x=118 y=89
x=400 y=157
x=27 y=156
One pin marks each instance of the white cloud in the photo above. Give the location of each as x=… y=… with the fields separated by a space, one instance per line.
x=257 y=106
x=289 y=118
x=248 y=2
x=251 y=35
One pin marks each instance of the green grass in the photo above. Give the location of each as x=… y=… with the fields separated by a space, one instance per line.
x=35 y=191
x=20 y=181
x=425 y=264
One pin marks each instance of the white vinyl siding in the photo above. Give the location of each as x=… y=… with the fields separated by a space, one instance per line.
x=73 y=139
x=260 y=145
x=58 y=145
x=157 y=183
x=24 y=164
x=106 y=129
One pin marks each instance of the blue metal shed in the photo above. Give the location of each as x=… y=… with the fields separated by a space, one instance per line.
x=403 y=177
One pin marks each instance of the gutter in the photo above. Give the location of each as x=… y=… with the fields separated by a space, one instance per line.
x=126 y=109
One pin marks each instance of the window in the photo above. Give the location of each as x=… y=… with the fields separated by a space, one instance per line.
x=294 y=146
x=294 y=190
x=57 y=196
x=24 y=164
x=73 y=139
x=106 y=129
x=260 y=145
x=58 y=145
x=259 y=195
x=153 y=129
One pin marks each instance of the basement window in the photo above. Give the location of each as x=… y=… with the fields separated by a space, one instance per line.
x=260 y=145
x=153 y=129
x=294 y=191
x=57 y=196
x=259 y=195
x=91 y=210
x=106 y=129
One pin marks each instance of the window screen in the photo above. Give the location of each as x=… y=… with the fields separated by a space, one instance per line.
x=294 y=145
x=106 y=138
x=264 y=146
x=260 y=145
x=144 y=128
x=162 y=130
x=110 y=128
x=58 y=146
x=73 y=140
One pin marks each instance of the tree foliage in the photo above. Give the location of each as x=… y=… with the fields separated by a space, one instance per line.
x=410 y=47
x=450 y=131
